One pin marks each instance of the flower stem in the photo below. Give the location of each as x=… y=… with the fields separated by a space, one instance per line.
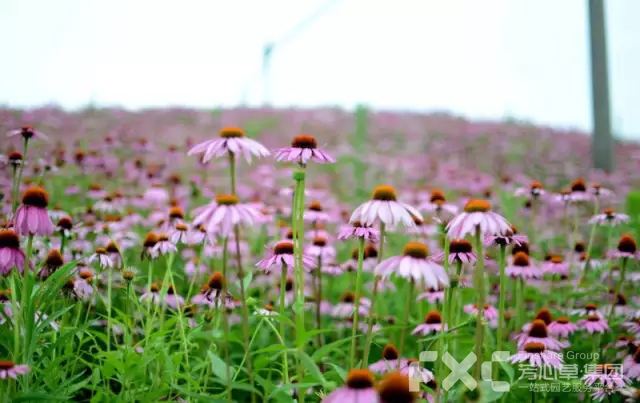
x=519 y=302
x=245 y=309
x=297 y=225
x=109 y=280
x=405 y=317
x=356 y=308
x=232 y=172
x=479 y=273
x=587 y=263
x=17 y=179
x=220 y=305
x=501 y=303
x=283 y=286
x=376 y=284
x=446 y=308
x=623 y=267
x=319 y=300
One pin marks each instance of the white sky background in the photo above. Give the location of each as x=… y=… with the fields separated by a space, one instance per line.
x=483 y=59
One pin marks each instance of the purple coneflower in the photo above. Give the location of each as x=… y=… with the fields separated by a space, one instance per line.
x=315 y=213
x=81 y=286
x=521 y=267
x=607 y=379
x=231 y=141
x=414 y=264
x=9 y=369
x=413 y=370
x=10 y=254
x=562 y=327
x=164 y=246
x=490 y=312
x=460 y=251
x=27 y=133
x=31 y=217
x=537 y=355
x=631 y=365
x=152 y=295
x=220 y=216
x=432 y=324
x=432 y=295
x=509 y=237
x=534 y=191
x=283 y=255
x=477 y=214
x=358 y=389
x=346 y=306
x=599 y=192
x=594 y=324
x=555 y=264
x=304 y=148
x=578 y=191
x=173 y=300
x=394 y=388
x=356 y=230
x=633 y=326
x=390 y=361
x=438 y=206
x=320 y=249
x=538 y=333
x=384 y=207
x=52 y=263
x=609 y=217
x=102 y=257
x=627 y=248
x=150 y=241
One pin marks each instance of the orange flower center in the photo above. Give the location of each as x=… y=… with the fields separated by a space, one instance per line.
x=227 y=199
x=35 y=196
x=230 y=132
x=416 y=250
x=384 y=193
x=477 y=206
x=360 y=379
x=304 y=141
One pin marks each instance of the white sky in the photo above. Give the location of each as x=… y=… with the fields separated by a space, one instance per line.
x=486 y=59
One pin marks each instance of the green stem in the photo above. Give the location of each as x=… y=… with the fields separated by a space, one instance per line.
x=405 y=317
x=232 y=172
x=109 y=278
x=519 y=302
x=479 y=274
x=298 y=234
x=356 y=308
x=319 y=300
x=283 y=286
x=502 y=297
x=16 y=183
x=587 y=263
x=454 y=319
x=623 y=267
x=245 y=309
x=446 y=306
x=225 y=323
x=376 y=284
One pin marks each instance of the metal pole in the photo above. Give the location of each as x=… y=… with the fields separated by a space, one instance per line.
x=602 y=144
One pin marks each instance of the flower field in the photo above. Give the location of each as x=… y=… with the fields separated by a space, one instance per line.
x=280 y=255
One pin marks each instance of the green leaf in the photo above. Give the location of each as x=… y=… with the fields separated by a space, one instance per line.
x=38 y=396
x=218 y=366
x=247 y=280
x=311 y=367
